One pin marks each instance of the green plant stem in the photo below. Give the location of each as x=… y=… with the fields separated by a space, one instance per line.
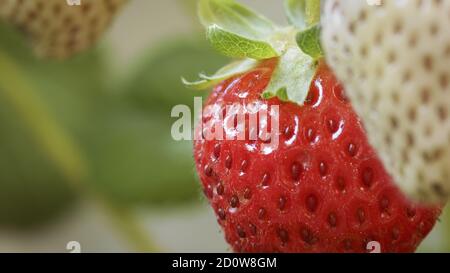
x=132 y=230
x=60 y=148
x=312 y=12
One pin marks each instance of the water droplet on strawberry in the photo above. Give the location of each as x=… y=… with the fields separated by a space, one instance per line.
x=244 y=166
x=265 y=180
x=311 y=135
x=333 y=126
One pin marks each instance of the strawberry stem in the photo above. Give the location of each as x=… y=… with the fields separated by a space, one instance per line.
x=130 y=228
x=312 y=12
x=303 y=13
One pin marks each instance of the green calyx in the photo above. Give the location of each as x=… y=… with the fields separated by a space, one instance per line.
x=240 y=33
x=309 y=42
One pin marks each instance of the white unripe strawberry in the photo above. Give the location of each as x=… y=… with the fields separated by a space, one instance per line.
x=57 y=29
x=394 y=60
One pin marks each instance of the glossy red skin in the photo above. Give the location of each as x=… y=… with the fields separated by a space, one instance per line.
x=343 y=197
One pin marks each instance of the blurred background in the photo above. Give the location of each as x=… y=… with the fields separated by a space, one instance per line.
x=119 y=182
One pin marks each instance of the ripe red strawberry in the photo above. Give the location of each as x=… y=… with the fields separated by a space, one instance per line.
x=323 y=188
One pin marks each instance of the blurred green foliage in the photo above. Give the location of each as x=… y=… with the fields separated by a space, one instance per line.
x=32 y=187
x=121 y=132
x=134 y=158
x=161 y=71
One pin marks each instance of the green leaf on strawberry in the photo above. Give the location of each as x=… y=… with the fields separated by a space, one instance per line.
x=236 y=46
x=292 y=78
x=236 y=31
x=309 y=42
x=228 y=71
x=235 y=18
